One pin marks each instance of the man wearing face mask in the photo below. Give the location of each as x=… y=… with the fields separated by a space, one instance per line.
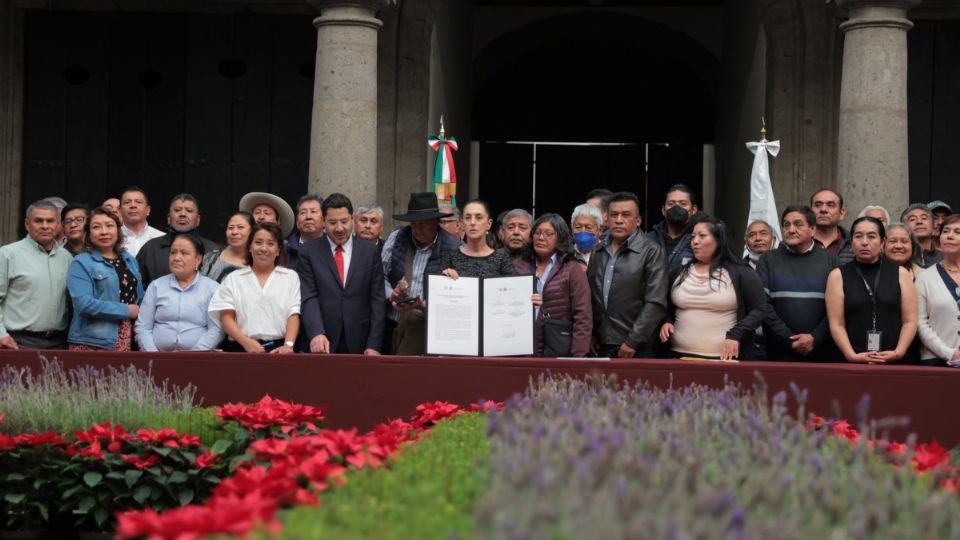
x=680 y=214
x=586 y=226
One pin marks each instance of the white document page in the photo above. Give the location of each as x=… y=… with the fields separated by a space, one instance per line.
x=453 y=316
x=508 y=316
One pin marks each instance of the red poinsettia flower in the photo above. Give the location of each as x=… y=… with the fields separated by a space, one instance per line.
x=103 y=432
x=320 y=472
x=140 y=463
x=205 y=460
x=228 y=515
x=842 y=428
x=38 y=439
x=7 y=442
x=950 y=484
x=167 y=437
x=896 y=449
x=929 y=456
x=189 y=440
x=270 y=412
x=276 y=482
x=486 y=406
x=428 y=414
x=94 y=450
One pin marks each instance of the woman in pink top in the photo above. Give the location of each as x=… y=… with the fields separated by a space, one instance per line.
x=715 y=303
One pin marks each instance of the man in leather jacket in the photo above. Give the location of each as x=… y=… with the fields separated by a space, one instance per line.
x=628 y=284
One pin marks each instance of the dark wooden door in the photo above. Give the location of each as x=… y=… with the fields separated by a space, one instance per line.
x=564 y=174
x=933 y=90
x=213 y=105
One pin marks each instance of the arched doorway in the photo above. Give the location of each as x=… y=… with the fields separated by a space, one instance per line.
x=637 y=97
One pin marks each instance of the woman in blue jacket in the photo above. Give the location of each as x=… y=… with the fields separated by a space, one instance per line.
x=105 y=287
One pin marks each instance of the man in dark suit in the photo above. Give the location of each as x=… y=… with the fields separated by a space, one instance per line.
x=341 y=286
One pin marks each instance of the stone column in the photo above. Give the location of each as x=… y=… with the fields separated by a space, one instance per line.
x=872 y=163
x=343 y=135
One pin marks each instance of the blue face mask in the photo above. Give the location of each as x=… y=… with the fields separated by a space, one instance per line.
x=584 y=241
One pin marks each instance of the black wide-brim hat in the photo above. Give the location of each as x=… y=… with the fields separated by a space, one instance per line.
x=422 y=206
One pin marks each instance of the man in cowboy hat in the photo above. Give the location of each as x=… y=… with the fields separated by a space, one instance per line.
x=409 y=254
x=268 y=207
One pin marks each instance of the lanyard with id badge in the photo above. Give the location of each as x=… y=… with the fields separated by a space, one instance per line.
x=873 y=335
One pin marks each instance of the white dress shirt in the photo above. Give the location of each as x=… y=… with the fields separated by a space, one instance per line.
x=132 y=242
x=262 y=313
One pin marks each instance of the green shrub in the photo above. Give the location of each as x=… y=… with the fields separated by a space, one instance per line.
x=427 y=492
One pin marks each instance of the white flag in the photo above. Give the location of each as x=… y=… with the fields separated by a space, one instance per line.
x=763 y=206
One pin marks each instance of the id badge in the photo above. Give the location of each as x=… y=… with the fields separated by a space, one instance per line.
x=873 y=341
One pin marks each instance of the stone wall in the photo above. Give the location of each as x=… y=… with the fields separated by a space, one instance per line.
x=781 y=61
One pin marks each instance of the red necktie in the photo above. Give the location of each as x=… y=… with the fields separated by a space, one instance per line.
x=338 y=258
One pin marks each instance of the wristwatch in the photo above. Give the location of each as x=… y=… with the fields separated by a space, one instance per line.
x=288 y=344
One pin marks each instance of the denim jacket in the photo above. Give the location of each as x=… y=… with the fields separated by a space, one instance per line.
x=95 y=291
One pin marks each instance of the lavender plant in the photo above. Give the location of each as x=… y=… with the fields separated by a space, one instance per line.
x=591 y=459
x=64 y=400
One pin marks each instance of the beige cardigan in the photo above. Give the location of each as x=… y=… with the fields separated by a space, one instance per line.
x=939 y=317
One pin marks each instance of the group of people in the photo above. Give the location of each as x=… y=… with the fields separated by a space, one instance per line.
x=320 y=278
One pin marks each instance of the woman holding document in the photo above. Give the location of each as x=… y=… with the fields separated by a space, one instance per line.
x=476 y=258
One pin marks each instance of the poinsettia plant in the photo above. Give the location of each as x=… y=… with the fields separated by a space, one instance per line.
x=291 y=466
x=48 y=481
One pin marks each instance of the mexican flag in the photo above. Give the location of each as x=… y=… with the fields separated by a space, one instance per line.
x=444 y=171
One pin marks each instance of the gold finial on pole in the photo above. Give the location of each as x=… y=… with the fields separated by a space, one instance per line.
x=442 y=132
x=763 y=128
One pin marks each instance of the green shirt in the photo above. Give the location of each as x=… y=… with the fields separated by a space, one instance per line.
x=33 y=287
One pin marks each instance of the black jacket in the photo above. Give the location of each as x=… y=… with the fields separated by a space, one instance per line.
x=154 y=256
x=638 y=295
x=683 y=253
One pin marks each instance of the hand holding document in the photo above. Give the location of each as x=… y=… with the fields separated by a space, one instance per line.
x=479 y=317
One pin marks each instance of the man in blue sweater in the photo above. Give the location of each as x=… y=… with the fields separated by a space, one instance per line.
x=794 y=277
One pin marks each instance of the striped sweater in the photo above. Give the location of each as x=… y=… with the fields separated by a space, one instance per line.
x=795 y=284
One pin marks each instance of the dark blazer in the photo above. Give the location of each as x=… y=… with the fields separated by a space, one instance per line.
x=356 y=310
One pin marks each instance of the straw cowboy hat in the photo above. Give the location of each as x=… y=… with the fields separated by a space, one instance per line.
x=284 y=212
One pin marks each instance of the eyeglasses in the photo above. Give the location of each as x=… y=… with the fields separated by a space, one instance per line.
x=545 y=234
x=451 y=220
x=77 y=220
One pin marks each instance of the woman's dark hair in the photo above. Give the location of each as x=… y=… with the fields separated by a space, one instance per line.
x=723 y=257
x=277 y=235
x=564 y=239
x=869 y=219
x=247 y=216
x=491 y=236
x=483 y=203
x=194 y=241
x=101 y=211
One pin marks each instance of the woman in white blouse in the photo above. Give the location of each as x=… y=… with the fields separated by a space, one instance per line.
x=258 y=305
x=938 y=295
